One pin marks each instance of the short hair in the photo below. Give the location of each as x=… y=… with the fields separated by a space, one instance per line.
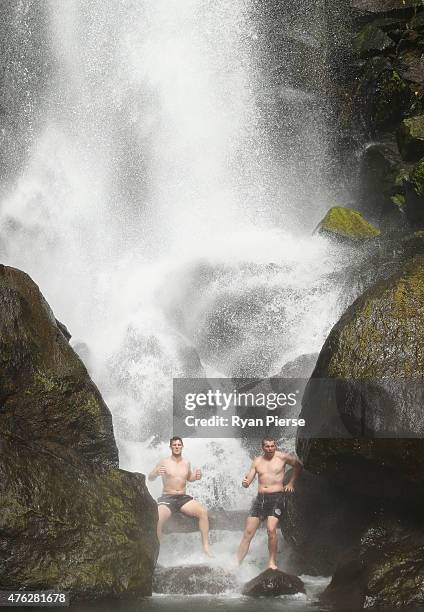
x=268 y=439
x=174 y=439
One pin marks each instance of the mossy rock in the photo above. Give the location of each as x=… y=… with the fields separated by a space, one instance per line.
x=69 y=519
x=411 y=138
x=383 y=571
x=46 y=393
x=83 y=528
x=371 y=40
x=365 y=425
x=347 y=225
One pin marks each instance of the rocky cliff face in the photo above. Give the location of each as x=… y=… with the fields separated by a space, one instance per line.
x=378 y=92
x=373 y=360
x=69 y=518
x=364 y=438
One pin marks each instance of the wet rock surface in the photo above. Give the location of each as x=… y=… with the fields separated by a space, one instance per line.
x=364 y=437
x=46 y=394
x=385 y=569
x=69 y=519
x=313 y=550
x=359 y=421
x=273 y=583
x=345 y=224
x=84 y=528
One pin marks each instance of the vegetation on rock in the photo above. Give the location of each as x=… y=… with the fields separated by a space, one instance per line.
x=346 y=224
x=411 y=138
x=69 y=519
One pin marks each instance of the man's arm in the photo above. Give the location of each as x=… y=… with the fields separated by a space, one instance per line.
x=247 y=480
x=297 y=466
x=193 y=476
x=159 y=470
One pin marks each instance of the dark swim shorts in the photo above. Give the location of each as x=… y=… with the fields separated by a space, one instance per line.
x=267 y=504
x=174 y=502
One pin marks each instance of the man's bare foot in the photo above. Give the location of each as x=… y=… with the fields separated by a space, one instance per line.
x=272 y=566
x=208 y=553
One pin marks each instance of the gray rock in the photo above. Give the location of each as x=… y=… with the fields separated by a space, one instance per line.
x=384 y=571
x=69 y=519
x=273 y=583
x=301 y=367
x=311 y=548
x=363 y=404
x=46 y=394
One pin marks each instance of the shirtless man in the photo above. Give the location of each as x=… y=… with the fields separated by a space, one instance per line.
x=176 y=472
x=270 y=468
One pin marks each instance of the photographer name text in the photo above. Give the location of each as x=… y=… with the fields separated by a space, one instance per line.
x=243 y=423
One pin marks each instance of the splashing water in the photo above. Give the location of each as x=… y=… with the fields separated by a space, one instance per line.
x=160 y=218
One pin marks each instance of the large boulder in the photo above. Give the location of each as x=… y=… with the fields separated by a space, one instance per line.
x=73 y=526
x=347 y=225
x=385 y=570
x=411 y=138
x=273 y=583
x=310 y=548
x=363 y=405
x=69 y=519
x=46 y=394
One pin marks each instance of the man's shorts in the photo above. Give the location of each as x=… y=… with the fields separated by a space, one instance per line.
x=267 y=504
x=174 y=502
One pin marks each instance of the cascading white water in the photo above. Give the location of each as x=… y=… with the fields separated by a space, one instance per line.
x=147 y=210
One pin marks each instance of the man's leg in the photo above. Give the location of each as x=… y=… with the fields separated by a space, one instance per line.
x=252 y=523
x=164 y=513
x=271 y=525
x=194 y=508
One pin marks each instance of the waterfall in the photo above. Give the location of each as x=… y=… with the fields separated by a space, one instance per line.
x=167 y=199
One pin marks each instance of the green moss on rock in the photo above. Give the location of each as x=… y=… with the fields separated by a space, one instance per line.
x=82 y=528
x=346 y=224
x=373 y=354
x=411 y=138
x=384 y=571
x=69 y=519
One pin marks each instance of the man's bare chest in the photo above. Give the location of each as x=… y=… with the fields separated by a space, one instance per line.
x=176 y=470
x=274 y=467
